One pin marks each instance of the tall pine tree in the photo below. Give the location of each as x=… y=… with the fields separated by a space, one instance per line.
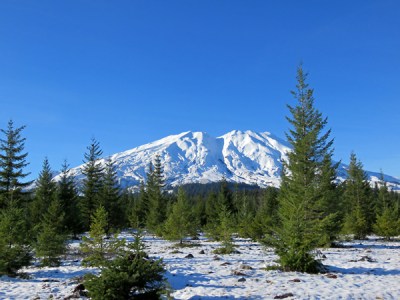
x=110 y=196
x=266 y=216
x=12 y=164
x=139 y=208
x=180 y=222
x=300 y=214
x=329 y=203
x=92 y=184
x=51 y=240
x=15 y=252
x=157 y=206
x=388 y=218
x=98 y=249
x=45 y=193
x=68 y=196
x=360 y=214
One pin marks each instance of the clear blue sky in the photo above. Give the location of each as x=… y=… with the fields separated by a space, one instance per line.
x=131 y=72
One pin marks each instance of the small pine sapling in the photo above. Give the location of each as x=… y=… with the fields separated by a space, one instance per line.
x=50 y=243
x=180 y=222
x=14 y=251
x=225 y=232
x=130 y=275
x=388 y=223
x=97 y=248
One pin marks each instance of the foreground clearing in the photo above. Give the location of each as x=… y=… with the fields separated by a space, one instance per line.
x=361 y=270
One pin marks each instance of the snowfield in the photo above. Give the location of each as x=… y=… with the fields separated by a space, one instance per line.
x=360 y=270
x=249 y=157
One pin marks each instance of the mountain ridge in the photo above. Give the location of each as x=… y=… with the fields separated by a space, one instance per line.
x=248 y=157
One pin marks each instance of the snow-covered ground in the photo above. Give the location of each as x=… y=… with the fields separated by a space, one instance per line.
x=360 y=270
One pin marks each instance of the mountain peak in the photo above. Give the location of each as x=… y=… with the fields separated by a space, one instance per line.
x=196 y=157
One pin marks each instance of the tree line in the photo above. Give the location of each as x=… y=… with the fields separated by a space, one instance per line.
x=311 y=208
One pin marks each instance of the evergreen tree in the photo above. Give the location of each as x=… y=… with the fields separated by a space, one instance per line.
x=68 y=197
x=199 y=210
x=14 y=250
x=45 y=194
x=134 y=211
x=131 y=275
x=387 y=220
x=159 y=172
x=156 y=214
x=180 y=222
x=97 y=248
x=50 y=243
x=225 y=198
x=12 y=163
x=388 y=223
x=329 y=204
x=110 y=196
x=245 y=216
x=139 y=208
x=299 y=229
x=270 y=206
x=360 y=213
x=224 y=231
x=92 y=183
x=211 y=208
x=382 y=195
x=266 y=216
x=216 y=206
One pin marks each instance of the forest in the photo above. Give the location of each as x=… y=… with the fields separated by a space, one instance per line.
x=310 y=210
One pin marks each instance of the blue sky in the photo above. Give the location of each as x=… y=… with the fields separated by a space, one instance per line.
x=131 y=72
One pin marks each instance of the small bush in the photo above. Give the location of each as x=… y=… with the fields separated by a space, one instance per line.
x=224 y=250
x=186 y=245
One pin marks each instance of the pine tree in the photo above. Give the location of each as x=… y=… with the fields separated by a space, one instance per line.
x=139 y=208
x=180 y=222
x=266 y=216
x=217 y=204
x=360 y=213
x=92 y=183
x=299 y=229
x=50 y=243
x=14 y=250
x=329 y=203
x=45 y=193
x=199 y=210
x=224 y=231
x=12 y=163
x=211 y=208
x=68 y=197
x=157 y=207
x=383 y=195
x=388 y=223
x=270 y=206
x=97 y=248
x=387 y=220
x=159 y=172
x=225 y=197
x=131 y=275
x=110 y=196
x=245 y=216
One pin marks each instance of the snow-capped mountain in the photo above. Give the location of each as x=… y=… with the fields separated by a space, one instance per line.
x=196 y=157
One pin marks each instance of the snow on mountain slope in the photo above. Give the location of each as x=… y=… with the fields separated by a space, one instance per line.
x=253 y=158
x=196 y=157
